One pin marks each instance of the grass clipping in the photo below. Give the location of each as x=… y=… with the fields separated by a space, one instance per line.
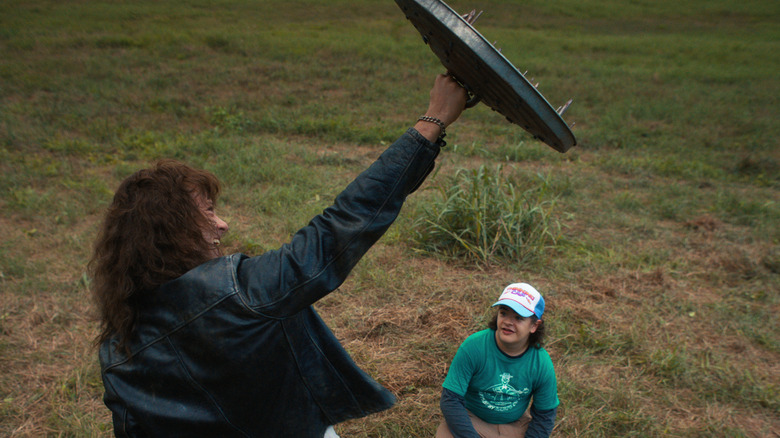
x=480 y=215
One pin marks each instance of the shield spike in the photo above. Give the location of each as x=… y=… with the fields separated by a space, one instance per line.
x=564 y=107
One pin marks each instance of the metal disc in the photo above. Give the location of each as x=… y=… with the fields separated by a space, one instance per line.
x=485 y=72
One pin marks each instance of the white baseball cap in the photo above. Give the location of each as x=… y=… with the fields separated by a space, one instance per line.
x=523 y=299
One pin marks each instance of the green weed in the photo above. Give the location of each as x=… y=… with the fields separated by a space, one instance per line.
x=481 y=215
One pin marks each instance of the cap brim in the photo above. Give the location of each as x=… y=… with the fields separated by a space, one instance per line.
x=514 y=305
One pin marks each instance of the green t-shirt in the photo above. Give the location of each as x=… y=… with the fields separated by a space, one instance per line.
x=497 y=388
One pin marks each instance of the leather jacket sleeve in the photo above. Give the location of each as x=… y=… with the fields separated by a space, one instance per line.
x=320 y=256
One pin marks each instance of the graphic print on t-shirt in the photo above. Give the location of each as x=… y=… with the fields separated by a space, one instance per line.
x=502 y=397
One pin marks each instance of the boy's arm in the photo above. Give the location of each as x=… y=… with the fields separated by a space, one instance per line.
x=455 y=414
x=542 y=423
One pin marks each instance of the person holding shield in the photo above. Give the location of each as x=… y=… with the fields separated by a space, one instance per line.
x=197 y=344
x=498 y=371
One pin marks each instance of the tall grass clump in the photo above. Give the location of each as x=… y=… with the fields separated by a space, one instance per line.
x=480 y=215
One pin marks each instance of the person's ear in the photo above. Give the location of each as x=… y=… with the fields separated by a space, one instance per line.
x=536 y=325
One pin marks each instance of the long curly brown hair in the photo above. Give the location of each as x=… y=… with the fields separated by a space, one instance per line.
x=151 y=233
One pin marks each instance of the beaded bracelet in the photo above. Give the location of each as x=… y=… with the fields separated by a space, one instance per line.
x=434 y=120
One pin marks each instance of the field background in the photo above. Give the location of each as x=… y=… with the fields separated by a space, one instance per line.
x=662 y=286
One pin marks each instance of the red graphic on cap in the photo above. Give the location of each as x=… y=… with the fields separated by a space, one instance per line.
x=517 y=294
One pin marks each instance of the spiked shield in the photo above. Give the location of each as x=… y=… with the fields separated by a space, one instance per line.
x=488 y=76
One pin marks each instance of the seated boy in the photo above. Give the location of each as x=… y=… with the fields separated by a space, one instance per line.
x=498 y=371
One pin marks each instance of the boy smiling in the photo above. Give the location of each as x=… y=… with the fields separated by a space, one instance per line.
x=497 y=371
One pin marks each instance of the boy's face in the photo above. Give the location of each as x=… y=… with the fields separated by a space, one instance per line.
x=513 y=331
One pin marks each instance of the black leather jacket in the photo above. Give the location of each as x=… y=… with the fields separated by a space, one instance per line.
x=233 y=348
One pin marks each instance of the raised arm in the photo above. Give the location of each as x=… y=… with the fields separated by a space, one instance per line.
x=320 y=256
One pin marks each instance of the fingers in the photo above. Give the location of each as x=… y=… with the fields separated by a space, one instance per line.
x=448 y=99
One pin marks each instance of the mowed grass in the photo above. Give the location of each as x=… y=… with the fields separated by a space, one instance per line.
x=663 y=281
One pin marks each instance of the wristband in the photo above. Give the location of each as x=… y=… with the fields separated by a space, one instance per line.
x=440 y=124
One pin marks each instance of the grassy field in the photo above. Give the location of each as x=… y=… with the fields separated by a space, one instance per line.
x=663 y=278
